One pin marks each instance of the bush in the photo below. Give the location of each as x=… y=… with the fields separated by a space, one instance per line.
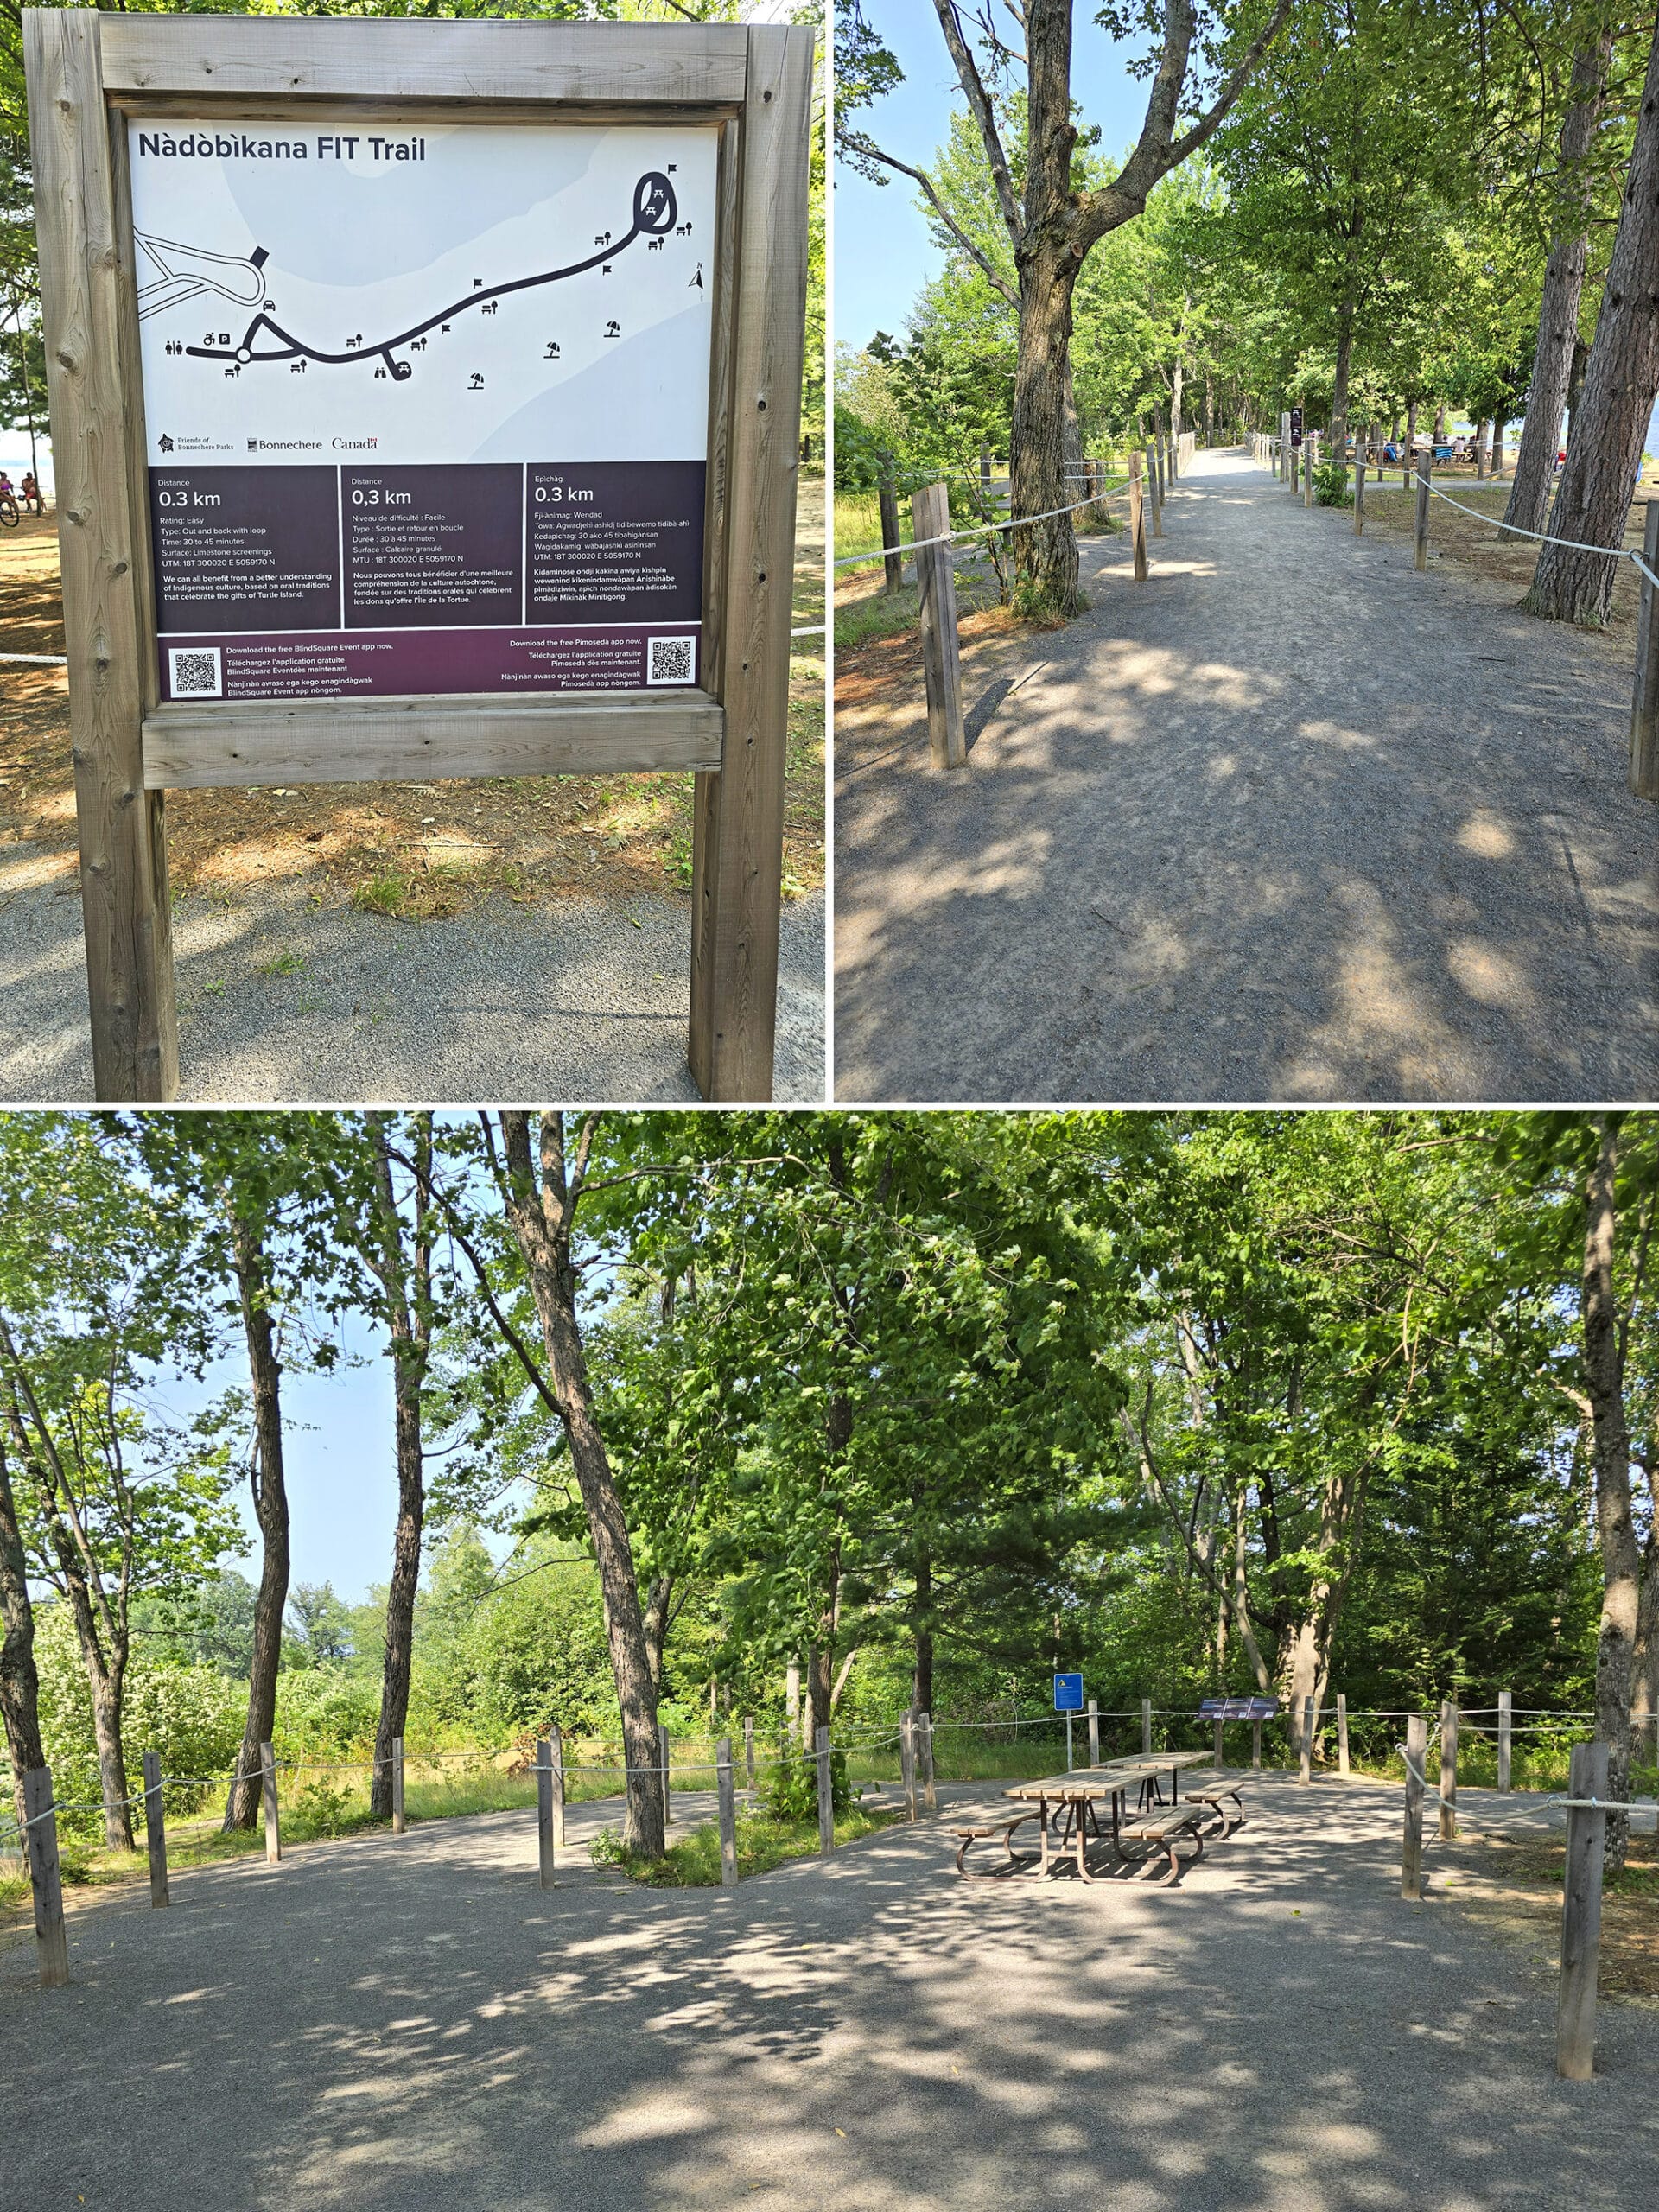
x=792 y=1792
x=1331 y=485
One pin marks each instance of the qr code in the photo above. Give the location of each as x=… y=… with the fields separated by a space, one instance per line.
x=195 y=674
x=670 y=660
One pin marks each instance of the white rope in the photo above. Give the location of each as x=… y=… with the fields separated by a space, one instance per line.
x=978 y=530
x=39 y=660
x=1570 y=545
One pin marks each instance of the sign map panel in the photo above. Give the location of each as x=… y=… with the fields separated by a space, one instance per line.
x=426 y=410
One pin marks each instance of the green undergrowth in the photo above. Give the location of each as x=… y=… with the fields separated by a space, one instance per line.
x=763 y=1841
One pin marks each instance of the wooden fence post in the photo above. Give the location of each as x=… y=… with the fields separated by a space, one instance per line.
x=155 y=1829
x=1359 y=497
x=1645 y=711
x=1220 y=1725
x=1505 y=1736
x=892 y=564
x=1341 y=1732
x=46 y=1879
x=1425 y=461
x=397 y=1785
x=749 y=1750
x=1305 y=1758
x=1411 y=1849
x=1137 y=520
x=1448 y=1771
x=907 y=1761
x=1156 y=490
x=1575 y=2005
x=936 y=579
x=1146 y=1727
x=662 y=1762
x=268 y=1791
x=726 y=1782
x=930 y=1794
x=826 y=1794
x=546 y=1856
x=1312 y=458
x=1256 y=1745
x=556 y=1739
x=1094 y=1732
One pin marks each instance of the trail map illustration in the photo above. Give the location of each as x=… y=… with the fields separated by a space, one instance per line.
x=424 y=412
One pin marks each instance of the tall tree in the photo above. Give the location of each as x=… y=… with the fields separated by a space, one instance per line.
x=19 y=1687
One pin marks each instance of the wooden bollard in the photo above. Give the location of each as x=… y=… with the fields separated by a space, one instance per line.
x=1156 y=490
x=1644 y=710
x=1220 y=1724
x=1094 y=1732
x=1146 y=1727
x=1341 y=1732
x=1448 y=1771
x=155 y=1829
x=1420 y=529
x=46 y=1879
x=725 y=1782
x=1255 y=1745
x=1411 y=1848
x=1137 y=520
x=1305 y=1757
x=547 y=1856
x=1310 y=457
x=907 y=1761
x=749 y=1750
x=1575 y=2005
x=930 y=1794
x=556 y=1741
x=1161 y=454
x=397 y=1785
x=268 y=1791
x=1359 y=496
x=1505 y=1736
x=662 y=1762
x=826 y=1793
x=892 y=564
x=936 y=579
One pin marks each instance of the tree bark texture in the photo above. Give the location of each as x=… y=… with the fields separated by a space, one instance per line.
x=1558 y=308
x=921 y=1696
x=20 y=1687
x=541 y=1201
x=1604 y=451
x=255 y=1290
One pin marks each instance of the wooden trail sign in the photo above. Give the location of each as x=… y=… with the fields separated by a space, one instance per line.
x=425 y=402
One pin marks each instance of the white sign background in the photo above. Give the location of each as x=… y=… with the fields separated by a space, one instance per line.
x=361 y=247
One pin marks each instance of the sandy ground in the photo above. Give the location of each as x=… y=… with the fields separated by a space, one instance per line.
x=1290 y=820
x=406 y=2023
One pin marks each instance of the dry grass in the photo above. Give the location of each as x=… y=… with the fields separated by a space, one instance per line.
x=416 y=851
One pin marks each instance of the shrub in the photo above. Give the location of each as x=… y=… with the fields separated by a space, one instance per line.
x=792 y=1792
x=1331 y=485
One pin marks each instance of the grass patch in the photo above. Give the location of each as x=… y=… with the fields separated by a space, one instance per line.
x=763 y=1842
x=285 y=963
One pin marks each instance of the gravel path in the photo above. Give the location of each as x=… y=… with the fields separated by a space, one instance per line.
x=1291 y=821
x=585 y=1000
x=406 y=2024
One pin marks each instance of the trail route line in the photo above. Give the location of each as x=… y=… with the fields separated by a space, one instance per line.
x=1289 y=821
x=184 y=271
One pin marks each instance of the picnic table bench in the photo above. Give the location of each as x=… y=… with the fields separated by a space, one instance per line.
x=1075 y=1802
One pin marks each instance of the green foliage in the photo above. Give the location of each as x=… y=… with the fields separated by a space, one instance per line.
x=1331 y=486
x=791 y=1791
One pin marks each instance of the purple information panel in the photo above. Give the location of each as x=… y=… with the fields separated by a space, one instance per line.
x=316 y=581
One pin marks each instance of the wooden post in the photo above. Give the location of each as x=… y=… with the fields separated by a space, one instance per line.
x=1146 y=1727
x=935 y=578
x=1644 y=712
x=556 y=1740
x=749 y=1750
x=930 y=1794
x=1425 y=461
x=1137 y=520
x=1411 y=1850
x=1157 y=492
x=1341 y=1732
x=1094 y=1732
x=725 y=1782
x=91 y=343
x=892 y=564
x=46 y=1879
x=1068 y=1742
x=1256 y=1745
x=1305 y=1765
x=1505 y=1735
x=1448 y=1771
x=1160 y=456
x=661 y=1761
x=826 y=1795
x=1359 y=497
x=268 y=1791
x=155 y=1829
x=1312 y=458
x=907 y=1761
x=397 y=1785
x=1575 y=2007
x=546 y=1854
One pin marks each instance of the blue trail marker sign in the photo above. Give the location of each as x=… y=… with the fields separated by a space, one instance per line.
x=1068 y=1692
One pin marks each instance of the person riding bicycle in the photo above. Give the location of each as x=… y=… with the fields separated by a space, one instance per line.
x=6 y=491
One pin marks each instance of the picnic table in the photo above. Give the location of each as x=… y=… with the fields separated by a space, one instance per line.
x=1076 y=1799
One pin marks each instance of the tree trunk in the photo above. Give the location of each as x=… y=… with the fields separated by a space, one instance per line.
x=1339 y=393
x=1070 y=441
x=19 y=1689
x=406 y=1279
x=1603 y=453
x=1621 y=1561
x=1558 y=309
x=1500 y=422
x=1044 y=553
x=921 y=1685
x=1177 y=390
x=106 y=1684
x=1644 y=1665
x=791 y=1700
x=542 y=1226
x=1411 y=428
x=655 y=1623
x=1209 y=409
x=253 y=1285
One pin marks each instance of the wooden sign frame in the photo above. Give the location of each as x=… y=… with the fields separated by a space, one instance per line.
x=87 y=73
